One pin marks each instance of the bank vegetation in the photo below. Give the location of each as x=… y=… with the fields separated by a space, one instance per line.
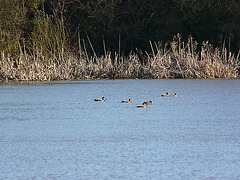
x=41 y=42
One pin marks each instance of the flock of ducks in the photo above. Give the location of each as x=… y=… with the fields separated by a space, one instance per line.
x=144 y=105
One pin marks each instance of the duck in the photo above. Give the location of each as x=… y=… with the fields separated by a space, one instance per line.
x=175 y=95
x=165 y=95
x=103 y=99
x=144 y=105
x=129 y=101
x=148 y=102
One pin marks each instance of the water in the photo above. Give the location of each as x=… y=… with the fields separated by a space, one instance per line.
x=56 y=131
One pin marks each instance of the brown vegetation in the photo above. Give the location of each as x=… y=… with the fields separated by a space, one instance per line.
x=176 y=59
x=44 y=41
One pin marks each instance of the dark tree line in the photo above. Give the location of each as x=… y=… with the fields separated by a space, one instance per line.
x=137 y=22
x=132 y=22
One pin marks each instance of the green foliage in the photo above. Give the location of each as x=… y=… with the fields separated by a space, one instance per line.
x=15 y=24
x=49 y=35
x=12 y=22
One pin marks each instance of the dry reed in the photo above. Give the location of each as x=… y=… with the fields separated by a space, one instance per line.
x=176 y=59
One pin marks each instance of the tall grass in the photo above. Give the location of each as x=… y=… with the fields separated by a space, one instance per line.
x=176 y=59
x=38 y=49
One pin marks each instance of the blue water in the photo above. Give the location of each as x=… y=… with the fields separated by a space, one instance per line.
x=56 y=131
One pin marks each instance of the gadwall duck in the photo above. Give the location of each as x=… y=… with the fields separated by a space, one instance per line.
x=164 y=95
x=175 y=95
x=144 y=105
x=129 y=101
x=148 y=102
x=103 y=99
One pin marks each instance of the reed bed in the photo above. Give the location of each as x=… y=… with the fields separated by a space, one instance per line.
x=175 y=59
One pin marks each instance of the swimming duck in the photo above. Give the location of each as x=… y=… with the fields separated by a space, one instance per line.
x=165 y=95
x=103 y=99
x=175 y=95
x=144 y=105
x=148 y=102
x=129 y=101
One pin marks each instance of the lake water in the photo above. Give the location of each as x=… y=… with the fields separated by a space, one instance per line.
x=55 y=130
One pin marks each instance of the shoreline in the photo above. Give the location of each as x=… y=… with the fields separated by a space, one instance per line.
x=108 y=79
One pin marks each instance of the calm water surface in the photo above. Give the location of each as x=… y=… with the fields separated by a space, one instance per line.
x=56 y=131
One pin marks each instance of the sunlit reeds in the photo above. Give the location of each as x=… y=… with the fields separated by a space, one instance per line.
x=182 y=60
x=175 y=59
